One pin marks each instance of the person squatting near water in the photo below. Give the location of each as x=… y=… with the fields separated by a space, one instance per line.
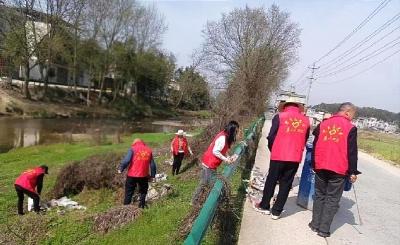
x=30 y=182
x=286 y=141
x=334 y=158
x=215 y=154
x=179 y=149
x=141 y=169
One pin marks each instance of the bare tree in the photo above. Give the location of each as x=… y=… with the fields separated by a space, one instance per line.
x=56 y=39
x=75 y=17
x=108 y=22
x=147 y=27
x=250 y=50
x=21 y=37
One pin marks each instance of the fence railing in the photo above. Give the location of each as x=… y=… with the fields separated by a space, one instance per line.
x=207 y=213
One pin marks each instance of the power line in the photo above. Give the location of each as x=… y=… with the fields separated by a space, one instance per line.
x=363 y=59
x=300 y=77
x=362 y=42
x=302 y=88
x=362 y=71
x=371 y=45
x=363 y=23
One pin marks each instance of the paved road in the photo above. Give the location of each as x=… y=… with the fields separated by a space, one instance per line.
x=378 y=192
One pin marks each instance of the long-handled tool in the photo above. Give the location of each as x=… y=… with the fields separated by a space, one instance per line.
x=358 y=209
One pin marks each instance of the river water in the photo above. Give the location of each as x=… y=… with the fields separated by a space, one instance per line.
x=16 y=132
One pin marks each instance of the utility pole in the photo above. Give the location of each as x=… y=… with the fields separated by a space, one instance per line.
x=292 y=89
x=311 y=78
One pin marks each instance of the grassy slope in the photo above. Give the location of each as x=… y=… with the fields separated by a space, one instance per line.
x=157 y=225
x=381 y=145
x=55 y=156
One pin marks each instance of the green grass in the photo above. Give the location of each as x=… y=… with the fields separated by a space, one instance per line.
x=157 y=225
x=55 y=156
x=381 y=145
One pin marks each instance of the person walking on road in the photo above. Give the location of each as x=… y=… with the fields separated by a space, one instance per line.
x=334 y=158
x=215 y=154
x=30 y=183
x=286 y=141
x=179 y=149
x=141 y=169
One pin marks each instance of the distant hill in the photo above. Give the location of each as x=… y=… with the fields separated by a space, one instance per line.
x=380 y=114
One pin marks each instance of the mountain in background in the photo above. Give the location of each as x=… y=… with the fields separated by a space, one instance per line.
x=380 y=114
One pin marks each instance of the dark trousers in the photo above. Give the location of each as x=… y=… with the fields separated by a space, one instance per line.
x=20 y=193
x=177 y=163
x=207 y=177
x=130 y=186
x=283 y=172
x=328 y=191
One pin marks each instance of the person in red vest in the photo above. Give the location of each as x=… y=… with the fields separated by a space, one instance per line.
x=179 y=149
x=286 y=141
x=141 y=169
x=215 y=154
x=334 y=157
x=30 y=182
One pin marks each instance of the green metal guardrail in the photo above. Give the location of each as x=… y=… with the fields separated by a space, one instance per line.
x=207 y=213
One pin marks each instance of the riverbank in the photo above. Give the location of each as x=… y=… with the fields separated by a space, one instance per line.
x=12 y=104
x=18 y=132
x=63 y=103
x=157 y=225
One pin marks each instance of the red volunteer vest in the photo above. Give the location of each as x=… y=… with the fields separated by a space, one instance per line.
x=28 y=179
x=331 y=148
x=140 y=163
x=209 y=159
x=175 y=145
x=291 y=136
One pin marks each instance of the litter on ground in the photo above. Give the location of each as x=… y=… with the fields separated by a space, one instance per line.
x=161 y=177
x=66 y=203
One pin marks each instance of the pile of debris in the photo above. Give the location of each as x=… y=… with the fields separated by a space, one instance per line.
x=119 y=216
x=256 y=185
x=161 y=177
x=26 y=229
x=156 y=191
x=95 y=172
x=116 y=218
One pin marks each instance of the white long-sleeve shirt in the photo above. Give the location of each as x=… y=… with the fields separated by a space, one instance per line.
x=218 y=147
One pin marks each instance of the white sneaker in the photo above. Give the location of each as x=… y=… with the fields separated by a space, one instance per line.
x=256 y=207
x=275 y=217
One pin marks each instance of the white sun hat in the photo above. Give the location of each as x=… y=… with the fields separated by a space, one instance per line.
x=291 y=100
x=180 y=132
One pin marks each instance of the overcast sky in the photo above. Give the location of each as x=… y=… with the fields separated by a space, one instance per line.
x=324 y=24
